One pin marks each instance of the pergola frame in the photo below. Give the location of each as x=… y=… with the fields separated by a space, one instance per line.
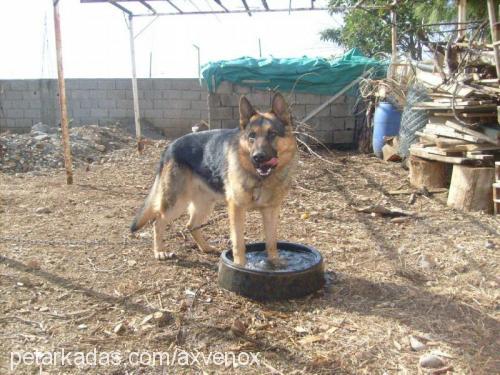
x=150 y=11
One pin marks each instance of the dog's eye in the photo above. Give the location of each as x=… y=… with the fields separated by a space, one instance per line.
x=272 y=134
x=252 y=136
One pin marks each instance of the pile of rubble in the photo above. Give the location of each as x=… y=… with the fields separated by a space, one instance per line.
x=42 y=147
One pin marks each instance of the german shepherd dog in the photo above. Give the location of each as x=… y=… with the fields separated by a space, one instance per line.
x=250 y=167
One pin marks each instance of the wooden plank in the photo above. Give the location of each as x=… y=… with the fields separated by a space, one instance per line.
x=471 y=147
x=444 y=152
x=474 y=133
x=436 y=82
x=420 y=152
x=447 y=106
x=480 y=156
x=442 y=130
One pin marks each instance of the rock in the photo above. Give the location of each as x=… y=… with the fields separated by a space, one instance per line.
x=489 y=244
x=147 y=319
x=43 y=210
x=329 y=215
x=238 y=328
x=99 y=147
x=160 y=318
x=43 y=128
x=416 y=345
x=431 y=361
x=426 y=262
x=41 y=137
x=82 y=327
x=119 y=329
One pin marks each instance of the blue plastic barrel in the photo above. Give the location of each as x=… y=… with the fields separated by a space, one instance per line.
x=386 y=123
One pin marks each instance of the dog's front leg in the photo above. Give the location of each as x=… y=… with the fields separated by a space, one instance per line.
x=270 y=216
x=237 y=222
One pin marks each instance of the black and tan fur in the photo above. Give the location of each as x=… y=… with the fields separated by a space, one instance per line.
x=249 y=167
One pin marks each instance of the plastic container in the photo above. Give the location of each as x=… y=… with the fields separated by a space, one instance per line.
x=386 y=123
x=272 y=285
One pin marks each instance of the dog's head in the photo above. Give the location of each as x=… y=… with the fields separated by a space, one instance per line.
x=266 y=139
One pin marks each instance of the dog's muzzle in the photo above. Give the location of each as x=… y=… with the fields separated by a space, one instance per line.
x=265 y=168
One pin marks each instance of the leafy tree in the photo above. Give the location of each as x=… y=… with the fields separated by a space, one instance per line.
x=370 y=29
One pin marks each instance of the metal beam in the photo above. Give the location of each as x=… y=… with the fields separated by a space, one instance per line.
x=246 y=7
x=148 y=6
x=264 y=2
x=221 y=5
x=121 y=7
x=175 y=6
x=237 y=11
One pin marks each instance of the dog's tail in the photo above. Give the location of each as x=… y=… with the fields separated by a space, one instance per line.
x=148 y=211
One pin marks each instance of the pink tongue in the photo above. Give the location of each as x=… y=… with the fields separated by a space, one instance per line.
x=271 y=163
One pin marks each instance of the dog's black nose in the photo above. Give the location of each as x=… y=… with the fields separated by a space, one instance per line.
x=259 y=157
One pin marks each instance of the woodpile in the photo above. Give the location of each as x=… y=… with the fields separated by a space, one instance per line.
x=463 y=127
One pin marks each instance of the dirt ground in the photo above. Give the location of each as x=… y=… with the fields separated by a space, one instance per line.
x=71 y=275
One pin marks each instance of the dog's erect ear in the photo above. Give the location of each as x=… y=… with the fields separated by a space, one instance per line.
x=280 y=109
x=246 y=112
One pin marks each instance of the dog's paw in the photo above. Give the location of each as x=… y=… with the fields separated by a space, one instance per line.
x=162 y=255
x=209 y=250
x=277 y=262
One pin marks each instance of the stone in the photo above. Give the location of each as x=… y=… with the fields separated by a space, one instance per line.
x=43 y=128
x=431 y=361
x=43 y=210
x=41 y=137
x=416 y=344
x=119 y=329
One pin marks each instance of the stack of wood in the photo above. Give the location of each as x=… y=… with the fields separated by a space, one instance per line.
x=463 y=122
x=463 y=129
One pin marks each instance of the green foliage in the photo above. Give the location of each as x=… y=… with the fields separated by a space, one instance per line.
x=370 y=30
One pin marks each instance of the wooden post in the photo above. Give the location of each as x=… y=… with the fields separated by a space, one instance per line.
x=135 y=93
x=428 y=173
x=471 y=188
x=494 y=34
x=462 y=7
x=68 y=164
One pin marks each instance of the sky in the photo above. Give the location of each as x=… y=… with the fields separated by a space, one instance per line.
x=96 y=40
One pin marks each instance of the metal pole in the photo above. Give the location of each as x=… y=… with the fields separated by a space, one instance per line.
x=199 y=62
x=260 y=49
x=135 y=94
x=68 y=164
x=150 y=64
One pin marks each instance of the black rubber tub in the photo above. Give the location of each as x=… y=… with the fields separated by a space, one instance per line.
x=303 y=274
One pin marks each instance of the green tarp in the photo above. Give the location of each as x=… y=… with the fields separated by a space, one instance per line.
x=310 y=75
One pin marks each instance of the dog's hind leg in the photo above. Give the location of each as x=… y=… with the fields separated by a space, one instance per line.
x=199 y=210
x=172 y=200
x=170 y=214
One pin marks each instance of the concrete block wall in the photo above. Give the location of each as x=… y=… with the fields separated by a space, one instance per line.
x=172 y=105
x=333 y=125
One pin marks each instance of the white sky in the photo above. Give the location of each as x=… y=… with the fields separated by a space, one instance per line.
x=96 y=42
